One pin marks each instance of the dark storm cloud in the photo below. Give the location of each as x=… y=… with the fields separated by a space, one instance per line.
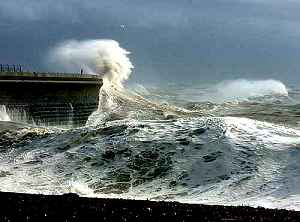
x=142 y=12
x=204 y=40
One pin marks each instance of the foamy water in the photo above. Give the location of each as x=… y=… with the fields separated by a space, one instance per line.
x=231 y=143
x=3 y=113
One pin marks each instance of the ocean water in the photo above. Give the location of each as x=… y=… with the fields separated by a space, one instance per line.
x=235 y=142
x=232 y=143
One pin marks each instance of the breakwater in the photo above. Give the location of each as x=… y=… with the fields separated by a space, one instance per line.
x=49 y=98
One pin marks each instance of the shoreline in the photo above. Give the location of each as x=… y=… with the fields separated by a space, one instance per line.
x=71 y=207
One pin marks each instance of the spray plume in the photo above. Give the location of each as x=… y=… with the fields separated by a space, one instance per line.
x=3 y=114
x=101 y=57
x=107 y=59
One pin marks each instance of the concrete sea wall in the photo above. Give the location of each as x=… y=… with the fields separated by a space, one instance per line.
x=49 y=98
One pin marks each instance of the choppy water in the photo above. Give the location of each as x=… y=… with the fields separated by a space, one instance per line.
x=183 y=143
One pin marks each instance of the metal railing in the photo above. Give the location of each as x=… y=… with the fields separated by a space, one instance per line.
x=14 y=68
x=10 y=68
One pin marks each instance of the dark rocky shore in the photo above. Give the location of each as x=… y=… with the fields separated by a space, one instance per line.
x=71 y=207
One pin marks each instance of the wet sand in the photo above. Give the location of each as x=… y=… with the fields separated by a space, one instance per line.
x=71 y=207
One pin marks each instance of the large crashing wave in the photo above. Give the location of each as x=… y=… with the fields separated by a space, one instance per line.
x=107 y=59
x=101 y=56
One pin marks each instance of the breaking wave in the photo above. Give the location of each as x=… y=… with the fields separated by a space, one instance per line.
x=236 y=90
x=243 y=89
x=101 y=57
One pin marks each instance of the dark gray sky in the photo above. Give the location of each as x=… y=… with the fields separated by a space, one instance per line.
x=170 y=40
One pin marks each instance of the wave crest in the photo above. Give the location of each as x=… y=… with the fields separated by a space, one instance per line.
x=243 y=89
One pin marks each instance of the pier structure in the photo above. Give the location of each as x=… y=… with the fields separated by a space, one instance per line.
x=48 y=98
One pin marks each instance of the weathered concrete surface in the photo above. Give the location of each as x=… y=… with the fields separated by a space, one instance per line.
x=71 y=207
x=49 y=77
x=50 y=98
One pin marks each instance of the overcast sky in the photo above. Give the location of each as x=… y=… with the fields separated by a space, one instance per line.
x=170 y=40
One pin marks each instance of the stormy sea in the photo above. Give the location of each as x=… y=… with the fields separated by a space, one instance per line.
x=235 y=142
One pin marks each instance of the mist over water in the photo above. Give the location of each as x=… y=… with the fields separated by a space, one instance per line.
x=233 y=143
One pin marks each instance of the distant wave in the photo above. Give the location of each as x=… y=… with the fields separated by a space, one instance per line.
x=236 y=90
x=243 y=88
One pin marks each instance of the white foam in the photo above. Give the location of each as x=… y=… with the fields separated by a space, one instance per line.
x=271 y=135
x=3 y=114
x=291 y=202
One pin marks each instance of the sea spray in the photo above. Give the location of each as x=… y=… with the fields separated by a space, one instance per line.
x=107 y=59
x=100 y=56
x=3 y=114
